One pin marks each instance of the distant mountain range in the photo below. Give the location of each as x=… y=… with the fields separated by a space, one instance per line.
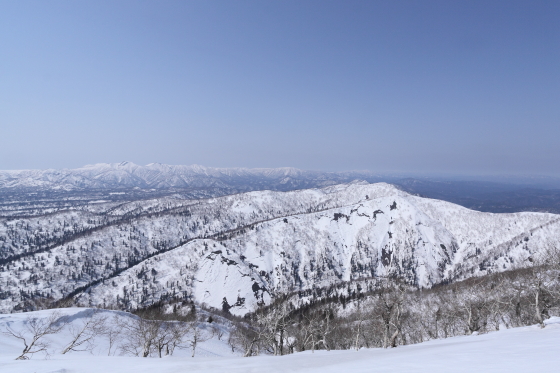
x=162 y=176
x=127 y=181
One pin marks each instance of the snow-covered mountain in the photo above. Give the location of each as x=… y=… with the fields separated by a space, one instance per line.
x=162 y=176
x=35 y=192
x=237 y=251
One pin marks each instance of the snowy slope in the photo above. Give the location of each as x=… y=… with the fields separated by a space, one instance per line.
x=365 y=239
x=76 y=317
x=527 y=349
x=250 y=247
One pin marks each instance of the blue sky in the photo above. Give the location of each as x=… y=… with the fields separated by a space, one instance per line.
x=462 y=87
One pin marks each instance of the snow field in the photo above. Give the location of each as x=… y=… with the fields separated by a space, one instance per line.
x=527 y=349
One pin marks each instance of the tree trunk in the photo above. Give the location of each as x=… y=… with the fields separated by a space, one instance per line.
x=538 y=313
x=249 y=350
x=194 y=346
x=386 y=335
x=146 y=350
x=393 y=341
x=313 y=343
x=358 y=337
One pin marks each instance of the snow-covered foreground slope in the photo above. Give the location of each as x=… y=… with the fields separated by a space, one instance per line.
x=250 y=247
x=527 y=349
x=209 y=344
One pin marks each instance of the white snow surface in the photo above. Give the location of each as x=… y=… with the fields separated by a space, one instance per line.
x=249 y=247
x=12 y=347
x=526 y=349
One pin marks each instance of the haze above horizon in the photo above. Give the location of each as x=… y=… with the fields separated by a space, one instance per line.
x=464 y=87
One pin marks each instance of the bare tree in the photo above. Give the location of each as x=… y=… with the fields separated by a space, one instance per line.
x=326 y=327
x=83 y=336
x=273 y=326
x=291 y=343
x=497 y=295
x=358 y=324
x=113 y=332
x=163 y=336
x=218 y=332
x=34 y=333
x=155 y=337
x=178 y=332
x=539 y=284
x=141 y=336
x=197 y=336
x=245 y=338
x=313 y=329
x=388 y=311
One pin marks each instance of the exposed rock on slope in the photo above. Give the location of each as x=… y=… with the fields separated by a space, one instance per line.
x=238 y=251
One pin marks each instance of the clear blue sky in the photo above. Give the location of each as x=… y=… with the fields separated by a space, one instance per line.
x=408 y=86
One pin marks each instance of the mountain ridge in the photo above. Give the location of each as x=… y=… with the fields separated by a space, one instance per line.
x=50 y=190
x=157 y=175
x=243 y=250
